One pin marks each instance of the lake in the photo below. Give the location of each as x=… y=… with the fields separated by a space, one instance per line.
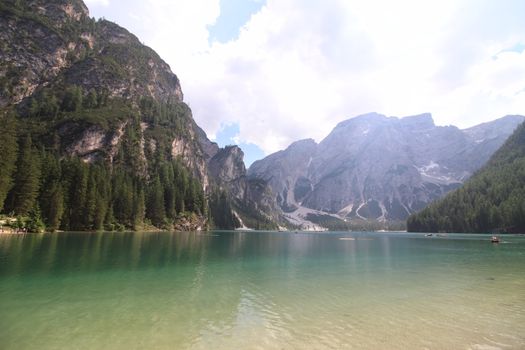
x=261 y=290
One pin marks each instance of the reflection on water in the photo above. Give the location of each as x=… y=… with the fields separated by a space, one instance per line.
x=227 y=290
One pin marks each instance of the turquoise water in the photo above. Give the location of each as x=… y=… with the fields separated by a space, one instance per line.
x=261 y=290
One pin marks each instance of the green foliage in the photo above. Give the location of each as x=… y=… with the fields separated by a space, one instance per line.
x=91 y=100
x=77 y=109
x=73 y=195
x=334 y=224
x=8 y=152
x=26 y=179
x=140 y=182
x=221 y=211
x=51 y=197
x=72 y=100
x=492 y=200
x=254 y=218
x=34 y=222
x=330 y=222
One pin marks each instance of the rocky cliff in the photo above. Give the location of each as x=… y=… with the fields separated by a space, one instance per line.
x=374 y=167
x=89 y=89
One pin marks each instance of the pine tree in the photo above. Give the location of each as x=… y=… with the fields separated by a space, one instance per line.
x=91 y=100
x=8 y=152
x=103 y=196
x=27 y=179
x=91 y=200
x=35 y=223
x=72 y=100
x=155 y=207
x=51 y=197
x=139 y=209
x=55 y=208
x=77 y=194
x=123 y=198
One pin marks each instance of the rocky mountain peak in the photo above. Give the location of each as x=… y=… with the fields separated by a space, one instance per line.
x=374 y=167
x=420 y=121
x=227 y=164
x=493 y=129
x=302 y=144
x=89 y=90
x=56 y=10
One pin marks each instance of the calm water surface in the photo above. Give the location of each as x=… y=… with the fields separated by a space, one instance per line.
x=261 y=290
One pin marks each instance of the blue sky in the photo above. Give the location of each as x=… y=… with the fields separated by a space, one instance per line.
x=233 y=15
x=229 y=135
x=263 y=74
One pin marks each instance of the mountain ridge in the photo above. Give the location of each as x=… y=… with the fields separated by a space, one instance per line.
x=490 y=201
x=379 y=168
x=89 y=104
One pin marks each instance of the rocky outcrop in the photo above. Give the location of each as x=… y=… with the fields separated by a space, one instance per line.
x=227 y=164
x=90 y=89
x=287 y=173
x=375 y=167
x=54 y=45
x=191 y=222
x=191 y=155
x=33 y=50
x=94 y=142
x=38 y=46
x=252 y=198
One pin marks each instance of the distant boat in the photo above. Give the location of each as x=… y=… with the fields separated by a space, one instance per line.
x=494 y=239
x=428 y=235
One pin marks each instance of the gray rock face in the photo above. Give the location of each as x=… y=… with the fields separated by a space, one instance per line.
x=252 y=197
x=380 y=168
x=287 y=173
x=227 y=164
x=50 y=46
x=39 y=48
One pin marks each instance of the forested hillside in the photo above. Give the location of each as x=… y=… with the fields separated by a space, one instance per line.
x=492 y=200
x=94 y=133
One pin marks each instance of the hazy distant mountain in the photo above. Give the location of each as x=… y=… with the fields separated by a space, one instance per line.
x=492 y=199
x=379 y=168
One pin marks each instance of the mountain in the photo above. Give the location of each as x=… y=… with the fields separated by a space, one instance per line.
x=98 y=121
x=491 y=200
x=378 y=168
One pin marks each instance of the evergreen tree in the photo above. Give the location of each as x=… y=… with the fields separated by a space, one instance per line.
x=91 y=100
x=78 y=183
x=35 y=223
x=91 y=200
x=493 y=199
x=221 y=211
x=103 y=196
x=48 y=105
x=51 y=197
x=8 y=152
x=123 y=198
x=139 y=208
x=72 y=100
x=155 y=210
x=27 y=179
x=55 y=209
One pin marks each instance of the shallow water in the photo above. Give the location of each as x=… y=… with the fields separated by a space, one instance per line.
x=261 y=290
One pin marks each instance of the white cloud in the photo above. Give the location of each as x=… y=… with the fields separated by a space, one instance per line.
x=97 y=2
x=300 y=66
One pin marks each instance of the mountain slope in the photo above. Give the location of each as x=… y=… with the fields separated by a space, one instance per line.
x=491 y=200
x=102 y=120
x=374 y=167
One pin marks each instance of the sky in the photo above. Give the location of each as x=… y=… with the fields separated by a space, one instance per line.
x=265 y=73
